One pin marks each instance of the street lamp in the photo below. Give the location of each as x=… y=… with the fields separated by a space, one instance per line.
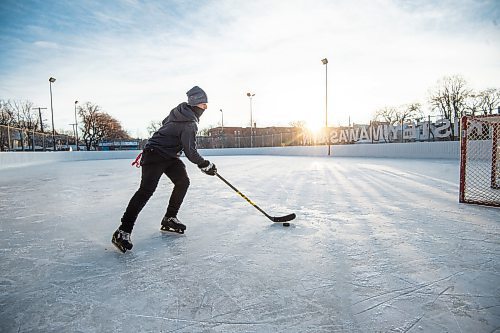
x=73 y=126
x=76 y=129
x=250 y=96
x=325 y=62
x=52 y=80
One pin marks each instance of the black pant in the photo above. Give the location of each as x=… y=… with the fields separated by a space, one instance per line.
x=152 y=169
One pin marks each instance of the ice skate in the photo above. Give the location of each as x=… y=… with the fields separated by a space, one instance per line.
x=121 y=240
x=172 y=224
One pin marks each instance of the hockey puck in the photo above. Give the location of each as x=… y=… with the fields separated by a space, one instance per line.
x=286 y=224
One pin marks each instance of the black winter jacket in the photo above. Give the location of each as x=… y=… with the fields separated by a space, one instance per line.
x=178 y=133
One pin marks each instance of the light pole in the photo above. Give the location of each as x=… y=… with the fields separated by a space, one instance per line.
x=250 y=96
x=52 y=80
x=76 y=129
x=222 y=120
x=73 y=126
x=325 y=62
x=222 y=128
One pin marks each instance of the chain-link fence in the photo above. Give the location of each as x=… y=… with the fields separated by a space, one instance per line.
x=427 y=129
x=269 y=140
x=23 y=139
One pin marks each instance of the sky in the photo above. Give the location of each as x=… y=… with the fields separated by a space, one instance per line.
x=136 y=59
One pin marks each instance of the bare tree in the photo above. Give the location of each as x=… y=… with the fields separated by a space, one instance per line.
x=25 y=119
x=6 y=113
x=484 y=102
x=89 y=113
x=301 y=125
x=449 y=98
x=392 y=116
x=31 y=121
x=473 y=104
x=298 y=124
x=6 y=119
x=410 y=112
x=111 y=128
x=98 y=125
x=490 y=100
x=154 y=125
x=388 y=114
x=303 y=134
x=205 y=131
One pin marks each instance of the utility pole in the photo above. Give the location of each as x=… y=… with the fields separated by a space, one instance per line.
x=41 y=124
x=40 y=115
x=76 y=129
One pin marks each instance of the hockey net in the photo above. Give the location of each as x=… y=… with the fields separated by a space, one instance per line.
x=480 y=160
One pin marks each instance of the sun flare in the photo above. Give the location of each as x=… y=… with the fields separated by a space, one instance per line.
x=315 y=127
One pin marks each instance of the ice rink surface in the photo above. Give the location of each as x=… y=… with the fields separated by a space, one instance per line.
x=378 y=245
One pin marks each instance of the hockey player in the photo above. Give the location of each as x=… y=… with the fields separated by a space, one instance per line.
x=161 y=156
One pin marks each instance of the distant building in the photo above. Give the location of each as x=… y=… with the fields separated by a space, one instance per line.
x=241 y=137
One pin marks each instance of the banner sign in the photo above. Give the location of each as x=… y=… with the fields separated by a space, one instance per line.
x=377 y=133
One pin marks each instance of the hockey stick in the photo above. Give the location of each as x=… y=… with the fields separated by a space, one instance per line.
x=285 y=218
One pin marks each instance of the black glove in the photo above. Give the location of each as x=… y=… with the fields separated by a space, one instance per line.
x=208 y=167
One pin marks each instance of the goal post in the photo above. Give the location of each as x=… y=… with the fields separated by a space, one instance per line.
x=495 y=166
x=480 y=160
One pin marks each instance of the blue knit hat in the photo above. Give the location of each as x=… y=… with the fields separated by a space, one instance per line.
x=196 y=96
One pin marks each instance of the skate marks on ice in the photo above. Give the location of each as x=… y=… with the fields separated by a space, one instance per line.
x=433 y=306
x=383 y=299
x=394 y=247
x=230 y=292
x=389 y=241
x=360 y=257
x=227 y=278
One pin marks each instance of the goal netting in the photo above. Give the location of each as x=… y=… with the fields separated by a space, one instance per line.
x=480 y=160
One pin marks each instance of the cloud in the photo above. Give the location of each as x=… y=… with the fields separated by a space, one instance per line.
x=40 y=44
x=137 y=60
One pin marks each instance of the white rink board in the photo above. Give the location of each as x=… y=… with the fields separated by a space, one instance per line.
x=430 y=150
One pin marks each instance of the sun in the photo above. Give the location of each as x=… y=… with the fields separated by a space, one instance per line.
x=315 y=127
